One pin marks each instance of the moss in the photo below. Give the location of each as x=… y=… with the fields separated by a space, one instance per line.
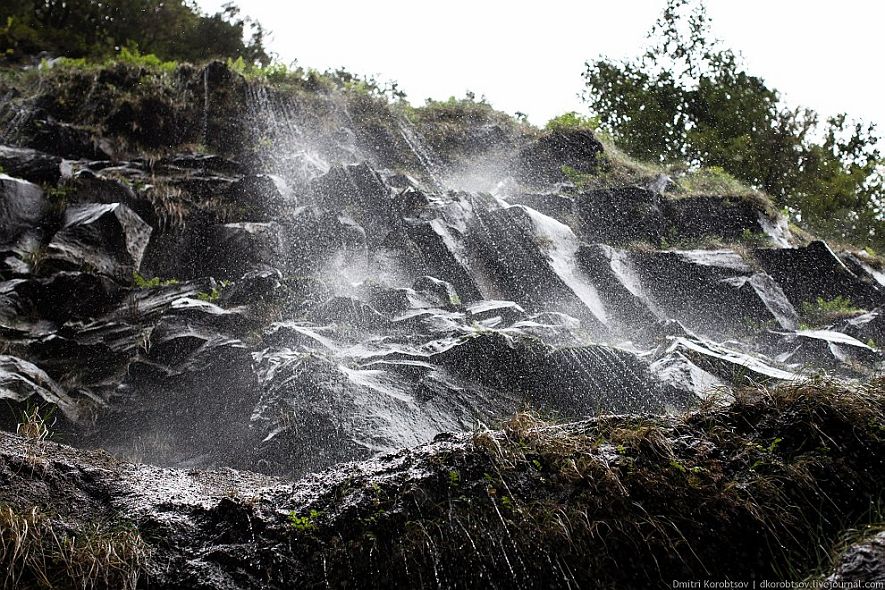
x=823 y=312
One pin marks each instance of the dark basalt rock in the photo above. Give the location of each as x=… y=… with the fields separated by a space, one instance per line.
x=23 y=383
x=109 y=239
x=257 y=286
x=69 y=141
x=727 y=218
x=621 y=215
x=712 y=291
x=234 y=249
x=814 y=271
x=96 y=295
x=611 y=271
x=30 y=164
x=434 y=243
x=259 y=197
x=861 y=563
x=544 y=159
x=22 y=208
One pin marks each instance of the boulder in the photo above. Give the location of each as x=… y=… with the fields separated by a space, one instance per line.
x=722 y=217
x=712 y=291
x=441 y=256
x=107 y=239
x=621 y=215
x=30 y=164
x=861 y=563
x=234 y=249
x=258 y=197
x=22 y=383
x=814 y=271
x=22 y=207
x=543 y=159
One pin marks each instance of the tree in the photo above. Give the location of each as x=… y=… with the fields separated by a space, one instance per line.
x=170 y=29
x=689 y=100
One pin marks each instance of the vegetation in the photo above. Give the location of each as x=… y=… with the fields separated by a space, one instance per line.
x=38 y=552
x=823 y=312
x=689 y=101
x=145 y=283
x=722 y=493
x=168 y=29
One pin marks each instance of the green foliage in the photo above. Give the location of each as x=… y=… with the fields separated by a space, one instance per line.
x=825 y=311
x=713 y=180
x=168 y=29
x=213 y=295
x=304 y=523
x=145 y=283
x=689 y=100
x=572 y=121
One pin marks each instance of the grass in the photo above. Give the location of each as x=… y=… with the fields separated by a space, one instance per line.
x=39 y=552
x=34 y=426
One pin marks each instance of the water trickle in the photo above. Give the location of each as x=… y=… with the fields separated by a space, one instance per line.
x=421 y=151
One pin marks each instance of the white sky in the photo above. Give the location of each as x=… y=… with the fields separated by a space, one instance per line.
x=529 y=56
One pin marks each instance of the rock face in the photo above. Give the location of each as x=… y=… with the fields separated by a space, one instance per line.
x=321 y=290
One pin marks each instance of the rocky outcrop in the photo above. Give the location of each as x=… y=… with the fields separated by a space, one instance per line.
x=108 y=240
x=289 y=301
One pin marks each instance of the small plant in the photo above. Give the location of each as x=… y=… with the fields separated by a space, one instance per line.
x=145 y=283
x=213 y=295
x=33 y=425
x=755 y=239
x=823 y=312
x=454 y=478
x=304 y=523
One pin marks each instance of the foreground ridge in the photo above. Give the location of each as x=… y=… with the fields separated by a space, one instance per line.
x=739 y=491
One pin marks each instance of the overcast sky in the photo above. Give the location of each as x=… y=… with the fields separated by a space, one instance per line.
x=825 y=55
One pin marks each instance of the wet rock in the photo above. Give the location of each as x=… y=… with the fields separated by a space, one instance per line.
x=88 y=187
x=257 y=286
x=868 y=328
x=712 y=291
x=397 y=301
x=30 y=164
x=814 y=271
x=861 y=563
x=531 y=260
x=48 y=135
x=827 y=349
x=204 y=162
x=442 y=257
x=347 y=311
x=234 y=249
x=617 y=281
x=95 y=295
x=621 y=215
x=482 y=311
x=544 y=159
x=22 y=207
x=107 y=239
x=726 y=218
x=729 y=365
x=23 y=383
x=443 y=293
x=258 y=197
x=356 y=189
x=319 y=236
